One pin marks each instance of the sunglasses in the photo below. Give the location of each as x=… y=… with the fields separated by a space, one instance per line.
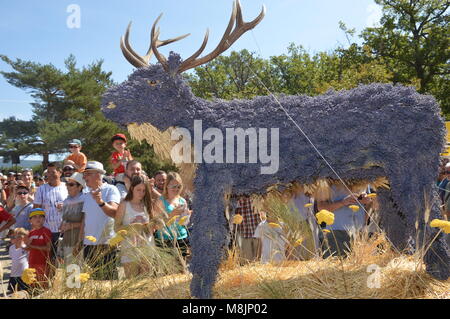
x=72 y=184
x=174 y=187
x=73 y=146
x=67 y=169
x=22 y=193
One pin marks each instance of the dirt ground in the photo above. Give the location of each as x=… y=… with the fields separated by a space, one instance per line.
x=5 y=262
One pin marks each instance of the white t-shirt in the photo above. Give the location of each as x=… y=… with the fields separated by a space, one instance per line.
x=19 y=260
x=273 y=243
x=48 y=197
x=96 y=222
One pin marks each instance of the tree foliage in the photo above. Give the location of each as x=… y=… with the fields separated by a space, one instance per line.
x=67 y=106
x=414 y=42
x=17 y=138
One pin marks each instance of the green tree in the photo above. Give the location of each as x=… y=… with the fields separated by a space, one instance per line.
x=18 y=138
x=235 y=76
x=67 y=106
x=413 y=40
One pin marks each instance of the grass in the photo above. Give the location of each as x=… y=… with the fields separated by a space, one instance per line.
x=400 y=276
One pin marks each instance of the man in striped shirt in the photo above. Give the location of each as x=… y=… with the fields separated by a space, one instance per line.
x=248 y=244
x=50 y=197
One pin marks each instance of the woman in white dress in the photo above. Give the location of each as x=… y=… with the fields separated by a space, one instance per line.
x=134 y=215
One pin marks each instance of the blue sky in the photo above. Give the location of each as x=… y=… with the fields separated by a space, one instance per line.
x=38 y=31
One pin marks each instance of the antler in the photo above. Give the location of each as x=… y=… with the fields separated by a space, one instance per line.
x=143 y=61
x=228 y=38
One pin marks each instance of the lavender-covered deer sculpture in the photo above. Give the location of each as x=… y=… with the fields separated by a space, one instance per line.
x=372 y=131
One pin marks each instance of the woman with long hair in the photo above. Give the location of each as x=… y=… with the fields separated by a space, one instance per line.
x=134 y=215
x=170 y=205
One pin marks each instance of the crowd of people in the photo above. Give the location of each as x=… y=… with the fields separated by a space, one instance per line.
x=76 y=214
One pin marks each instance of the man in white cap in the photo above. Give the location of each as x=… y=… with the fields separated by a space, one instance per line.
x=100 y=206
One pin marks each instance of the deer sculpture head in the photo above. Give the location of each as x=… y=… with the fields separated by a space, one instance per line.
x=157 y=93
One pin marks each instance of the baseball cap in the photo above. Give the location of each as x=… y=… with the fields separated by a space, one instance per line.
x=75 y=142
x=37 y=211
x=119 y=136
x=68 y=166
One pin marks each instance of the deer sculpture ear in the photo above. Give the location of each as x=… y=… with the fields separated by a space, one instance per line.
x=173 y=62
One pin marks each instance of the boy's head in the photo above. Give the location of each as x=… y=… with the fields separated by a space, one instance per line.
x=37 y=217
x=265 y=215
x=74 y=146
x=18 y=235
x=119 y=142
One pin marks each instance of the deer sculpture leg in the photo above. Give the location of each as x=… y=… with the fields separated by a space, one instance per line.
x=415 y=197
x=392 y=220
x=209 y=238
x=436 y=251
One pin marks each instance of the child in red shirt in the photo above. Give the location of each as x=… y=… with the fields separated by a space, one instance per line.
x=39 y=244
x=121 y=155
x=6 y=221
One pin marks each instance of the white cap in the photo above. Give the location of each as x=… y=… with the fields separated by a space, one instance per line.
x=95 y=166
x=77 y=177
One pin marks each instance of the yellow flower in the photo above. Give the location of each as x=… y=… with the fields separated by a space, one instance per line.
x=326 y=231
x=442 y=224
x=237 y=219
x=372 y=195
x=183 y=219
x=122 y=232
x=274 y=225
x=354 y=208
x=298 y=242
x=438 y=223
x=91 y=238
x=116 y=239
x=29 y=276
x=84 y=277
x=446 y=229
x=308 y=205
x=325 y=216
x=172 y=220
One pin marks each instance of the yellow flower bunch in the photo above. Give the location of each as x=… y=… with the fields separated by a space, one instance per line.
x=29 y=276
x=444 y=225
x=237 y=219
x=274 y=225
x=325 y=216
x=91 y=238
x=84 y=277
x=122 y=232
x=172 y=220
x=298 y=242
x=182 y=220
x=120 y=236
x=354 y=208
x=308 y=205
